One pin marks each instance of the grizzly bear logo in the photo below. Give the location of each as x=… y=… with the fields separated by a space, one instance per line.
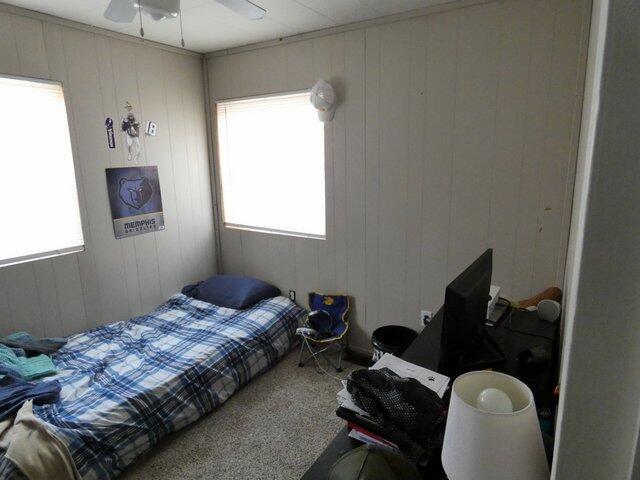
x=136 y=192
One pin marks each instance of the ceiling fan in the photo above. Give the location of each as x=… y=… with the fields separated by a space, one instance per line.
x=124 y=11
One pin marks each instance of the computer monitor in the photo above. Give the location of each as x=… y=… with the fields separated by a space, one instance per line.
x=465 y=343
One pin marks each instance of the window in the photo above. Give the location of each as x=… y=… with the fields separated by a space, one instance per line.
x=39 y=210
x=271 y=153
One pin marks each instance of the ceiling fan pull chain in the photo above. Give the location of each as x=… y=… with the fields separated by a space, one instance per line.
x=140 y=14
x=181 y=31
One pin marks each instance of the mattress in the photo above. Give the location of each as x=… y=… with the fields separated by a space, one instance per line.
x=127 y=385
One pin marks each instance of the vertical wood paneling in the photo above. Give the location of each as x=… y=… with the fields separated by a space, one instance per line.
x=32 y=57
x=394 y=159
x=6 y=317
x=446 y=127
x=87 y=264
x=526 y=229
x=440 y=108
x=404 y=212
x=125 y=273
x=86 y=102
x=322 y=68
x=354 y=97
x=338 y=146
x=231 y=240
x=127 y=85
x=372 y=175
x=558 y=151
x=22 y=292
x=474 y=135
x=511 y=103
x=193 y=97
x=113 y=279
x=67 y=268
x=303 y=69
x=158 y=151
x=418 y=30
x=9 y=51
x=68 y=284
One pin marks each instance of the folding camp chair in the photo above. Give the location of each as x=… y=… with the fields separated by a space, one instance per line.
x=325 y=328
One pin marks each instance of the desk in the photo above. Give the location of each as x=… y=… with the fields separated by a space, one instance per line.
x=518 y=332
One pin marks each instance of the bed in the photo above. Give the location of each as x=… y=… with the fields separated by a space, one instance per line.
x=127 y=385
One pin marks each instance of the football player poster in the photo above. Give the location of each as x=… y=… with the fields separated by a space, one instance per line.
x=136 y=203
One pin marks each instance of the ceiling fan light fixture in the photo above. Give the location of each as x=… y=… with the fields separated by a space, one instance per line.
x=158 y=9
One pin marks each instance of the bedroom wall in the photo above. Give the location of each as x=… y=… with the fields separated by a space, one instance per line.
x=455 y=131
x=113 y=279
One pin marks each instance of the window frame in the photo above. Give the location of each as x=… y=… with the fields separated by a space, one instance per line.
x=34 y=257
x=218 y=170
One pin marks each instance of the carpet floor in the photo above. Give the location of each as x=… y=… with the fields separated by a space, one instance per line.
x=274 y=428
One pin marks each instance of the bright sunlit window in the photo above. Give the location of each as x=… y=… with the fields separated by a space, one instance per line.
x=271 y=153
x=39 y=210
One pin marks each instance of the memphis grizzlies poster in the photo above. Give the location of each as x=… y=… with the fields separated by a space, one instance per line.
x=136 y=203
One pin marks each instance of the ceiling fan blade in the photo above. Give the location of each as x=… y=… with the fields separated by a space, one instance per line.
x=161 y=9
x=120 y=11
x=245 y=8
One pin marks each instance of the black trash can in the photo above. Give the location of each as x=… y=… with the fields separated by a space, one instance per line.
x=392 y=339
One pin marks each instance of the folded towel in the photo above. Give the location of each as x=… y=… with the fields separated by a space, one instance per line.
x=31 y=344
x=15 y=391
x=27 y=368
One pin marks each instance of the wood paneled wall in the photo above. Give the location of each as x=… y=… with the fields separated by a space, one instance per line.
x=455 y=131
x=113 y=279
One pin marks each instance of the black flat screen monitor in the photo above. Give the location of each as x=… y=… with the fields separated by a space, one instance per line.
x=464 y=341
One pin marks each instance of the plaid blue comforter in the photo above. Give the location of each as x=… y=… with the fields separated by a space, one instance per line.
x=128 y=384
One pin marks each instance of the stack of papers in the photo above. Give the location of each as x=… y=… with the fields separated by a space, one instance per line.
x=367 y=437
x=430 y=379
x=345 y=401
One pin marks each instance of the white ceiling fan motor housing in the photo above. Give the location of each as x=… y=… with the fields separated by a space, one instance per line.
x=159 y=9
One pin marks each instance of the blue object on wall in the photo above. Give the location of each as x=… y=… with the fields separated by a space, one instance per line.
x=135 y=200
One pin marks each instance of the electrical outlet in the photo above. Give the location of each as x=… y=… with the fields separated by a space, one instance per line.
x=292 y=295
x=425 y=318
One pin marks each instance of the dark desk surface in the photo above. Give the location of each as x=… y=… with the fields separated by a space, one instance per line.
x=517 y=332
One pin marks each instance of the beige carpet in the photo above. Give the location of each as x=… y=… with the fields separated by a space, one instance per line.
x=274 y=429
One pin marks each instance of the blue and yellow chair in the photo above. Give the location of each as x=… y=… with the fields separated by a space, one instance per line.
x=325 y=328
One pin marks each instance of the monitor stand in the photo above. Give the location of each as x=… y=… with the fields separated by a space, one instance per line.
x=483 y=352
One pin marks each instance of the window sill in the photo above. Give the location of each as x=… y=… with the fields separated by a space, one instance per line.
x=41 y=256
x=310 y=236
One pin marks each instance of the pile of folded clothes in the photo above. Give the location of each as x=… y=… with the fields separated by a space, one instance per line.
x=24 y=360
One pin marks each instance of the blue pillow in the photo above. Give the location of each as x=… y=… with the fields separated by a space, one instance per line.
x=231 y=292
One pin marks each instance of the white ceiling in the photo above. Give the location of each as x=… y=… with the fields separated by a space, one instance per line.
x=209 y=26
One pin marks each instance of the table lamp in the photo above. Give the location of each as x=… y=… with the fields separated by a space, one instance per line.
x=492 y=430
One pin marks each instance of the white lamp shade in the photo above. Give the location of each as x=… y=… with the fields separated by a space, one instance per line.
x=480 y=445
